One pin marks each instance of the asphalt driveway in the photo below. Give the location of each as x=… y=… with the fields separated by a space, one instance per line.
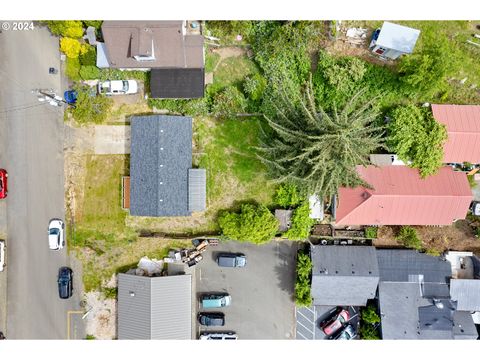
x=262 y=292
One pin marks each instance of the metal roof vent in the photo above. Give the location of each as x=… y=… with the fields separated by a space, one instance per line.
x=132 y=294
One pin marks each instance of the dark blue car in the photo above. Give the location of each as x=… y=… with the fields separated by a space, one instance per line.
x=65 y=282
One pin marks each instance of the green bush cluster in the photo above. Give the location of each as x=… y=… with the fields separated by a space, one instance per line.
x=371 y=232
x=72 y=69
x=303 y=295
x=90 y=108
x=369 y=332
x=192 y=107
x=408 y=236
x=254 y=223
x=89 y=56
x=89 y=72
x=288 y=196
x=301 y=223
x=414 y=135
x=69 y=28
x=229 y=102
x=227 y=30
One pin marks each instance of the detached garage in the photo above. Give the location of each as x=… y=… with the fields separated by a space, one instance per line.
x=154 y=308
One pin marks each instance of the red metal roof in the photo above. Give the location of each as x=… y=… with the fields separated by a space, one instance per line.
x=463 y=128
x=399 y=196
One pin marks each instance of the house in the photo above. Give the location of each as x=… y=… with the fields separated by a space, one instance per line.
x=155 y=308
x=462 y=123
x=343 y=275
x=172 y=50
x=399 y=196
x=393 y=40
x=414 y=298
x=162 y=181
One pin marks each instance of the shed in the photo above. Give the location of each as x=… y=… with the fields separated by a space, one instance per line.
x=154 y=308
x=177 y=83
x=393 y=40
x=344 y=275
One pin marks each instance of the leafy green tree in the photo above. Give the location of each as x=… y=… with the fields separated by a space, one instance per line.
x=408 y=236
x=288 y=196
x=69 y=28
x=89 y=56
x=414 y=135
x=369 y=332
x=301 y=223
x=90 y=108
x=426 y=71
x=369 y=315
x=319 y=150
x=254 y=223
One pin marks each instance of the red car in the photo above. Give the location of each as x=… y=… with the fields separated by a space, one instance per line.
x=3 y=183
x=336 y=322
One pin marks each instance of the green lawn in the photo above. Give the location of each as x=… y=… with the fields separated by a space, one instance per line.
x=232 y=71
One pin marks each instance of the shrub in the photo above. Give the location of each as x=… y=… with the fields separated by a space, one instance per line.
x=369 y=332
x=90 y=337
x=301 y=223
x=110 y=293
x=369 y=315
x=254 y=86
x=90 y=108
x=433 y=252
x=371 y=232
x=193 y=107
x=254 y=223
x=287 y=196
x=89 y=72
x=408 y=236
x=97 y=24
x=228 y=30
x=69 y=28
x=89 y=56
x=229 y=103
x=73 y=69
x=302 y=285
x=414 y=135
x=72 y=47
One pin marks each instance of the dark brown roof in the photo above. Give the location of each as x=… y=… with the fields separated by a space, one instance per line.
x=171 y=48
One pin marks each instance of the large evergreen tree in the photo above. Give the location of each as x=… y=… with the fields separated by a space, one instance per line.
x=314 y=149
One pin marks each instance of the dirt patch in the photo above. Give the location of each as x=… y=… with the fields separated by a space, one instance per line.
x=101 y=321
x=458 y=237
x=228 y=52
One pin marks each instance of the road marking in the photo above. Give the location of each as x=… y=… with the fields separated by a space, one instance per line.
x=70 y=312
x=305 y=327
x=299 y=333
x=309 y=309
x=305 y=316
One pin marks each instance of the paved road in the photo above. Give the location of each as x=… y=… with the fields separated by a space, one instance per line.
x=31 y=149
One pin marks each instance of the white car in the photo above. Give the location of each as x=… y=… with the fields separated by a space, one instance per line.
x=2 y=255
x=56 y=240
x=218 y=336
x=117 y=87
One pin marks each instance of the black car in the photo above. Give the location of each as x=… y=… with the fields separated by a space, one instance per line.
x=65 y=282
x=211 y=319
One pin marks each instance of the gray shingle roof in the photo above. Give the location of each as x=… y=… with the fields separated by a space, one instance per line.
x=197 y=189
x=399 y=304
x=343 y=275
x=467 y=294
x=161 y=155
x=398 y=265
x=160 y=307
x=464 y=327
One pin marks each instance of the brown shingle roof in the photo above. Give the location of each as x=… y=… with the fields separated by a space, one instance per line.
x=171 y=48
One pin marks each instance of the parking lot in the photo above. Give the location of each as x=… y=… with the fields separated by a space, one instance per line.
x=309 y=319
x=262 y=292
